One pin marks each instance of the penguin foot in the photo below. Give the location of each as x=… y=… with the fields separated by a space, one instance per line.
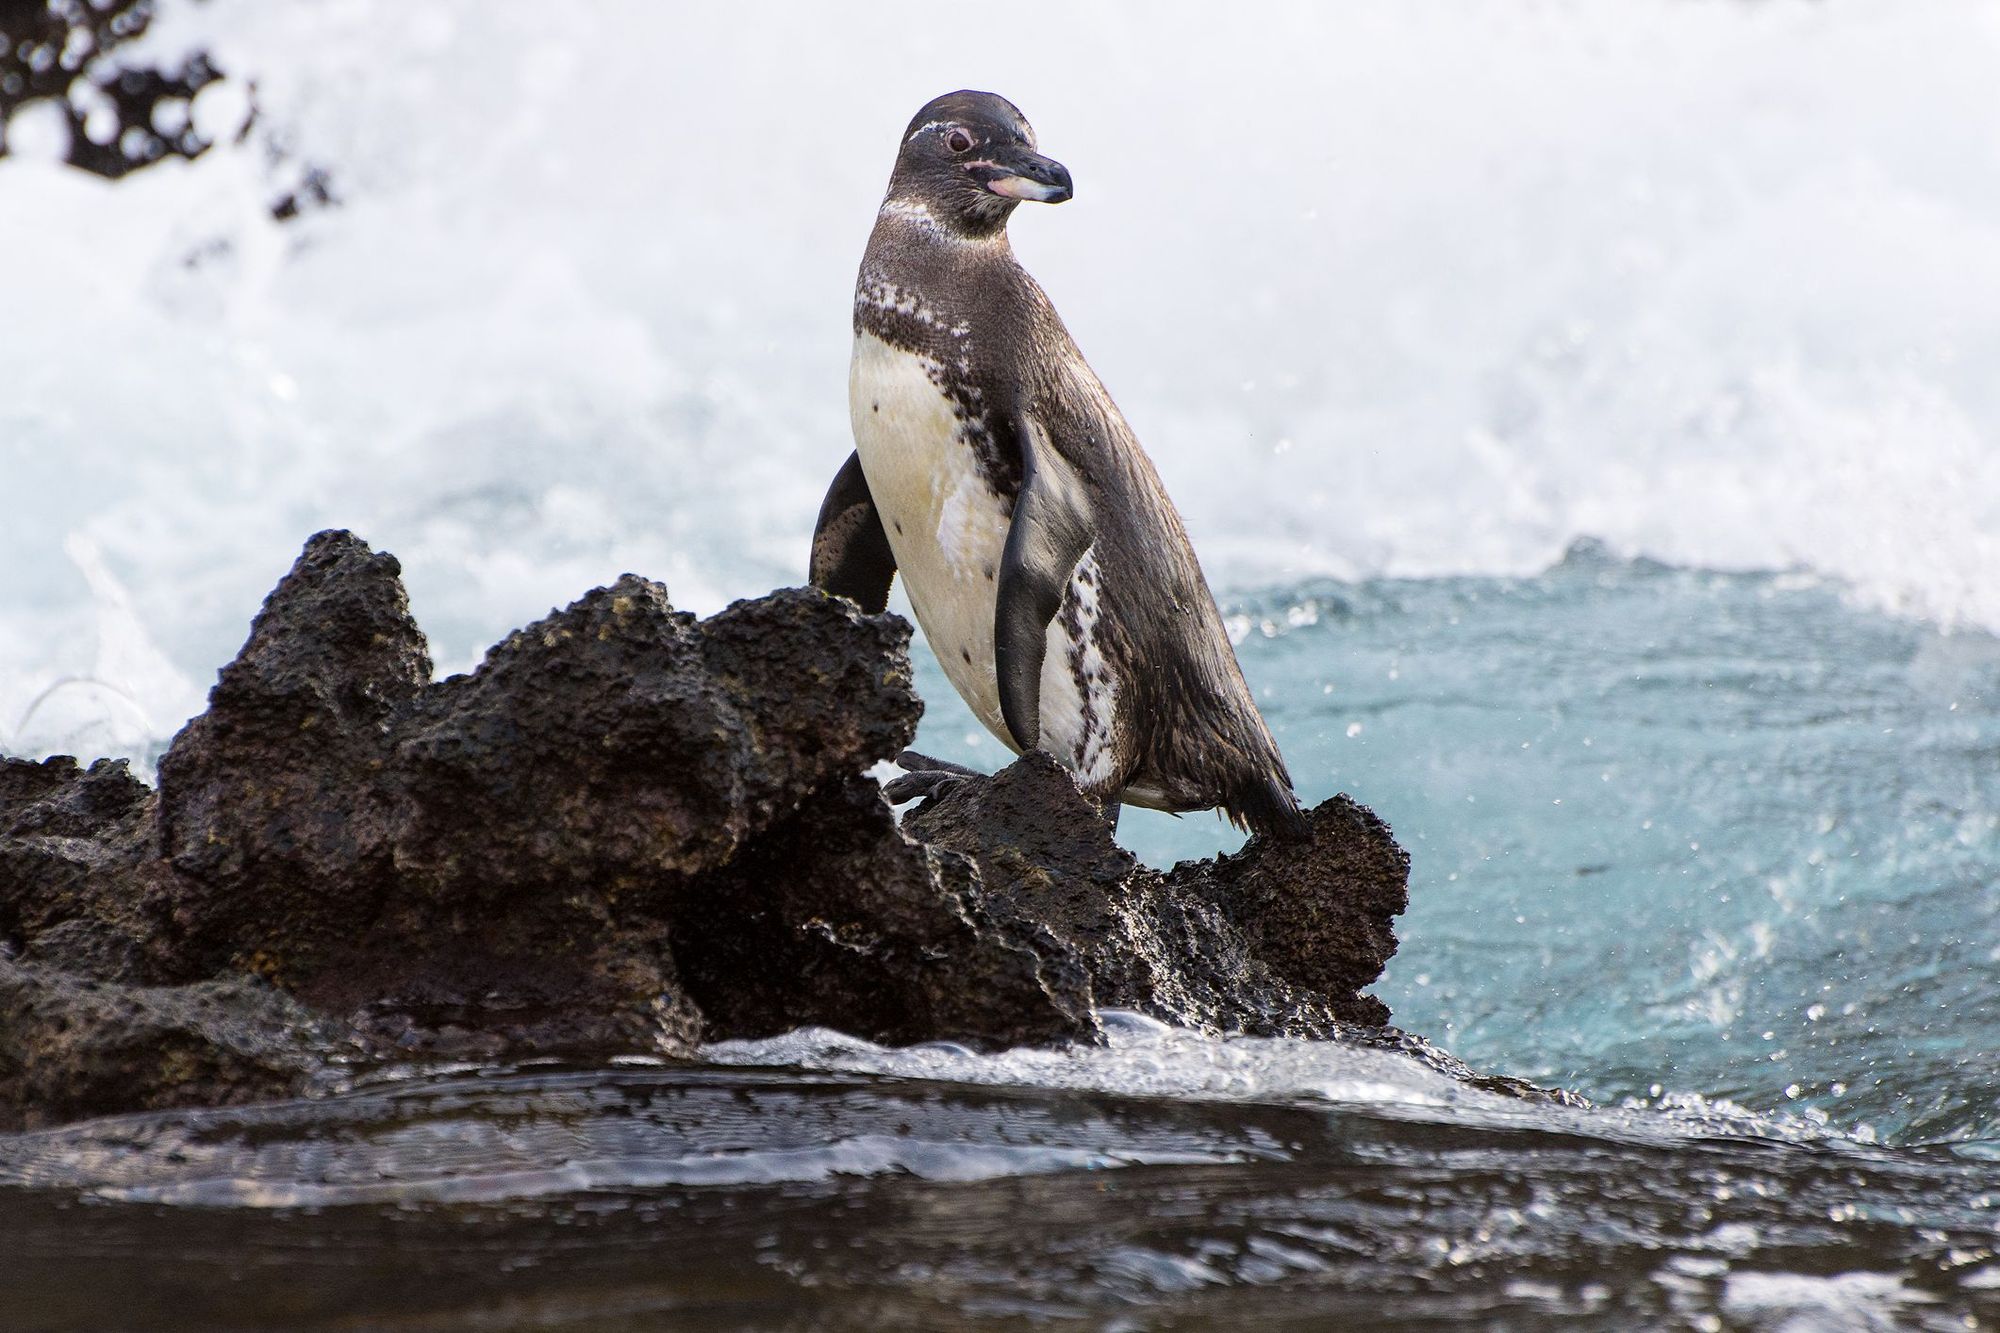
x=924 y=776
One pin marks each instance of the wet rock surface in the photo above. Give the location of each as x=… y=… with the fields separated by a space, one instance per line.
x=628 y=829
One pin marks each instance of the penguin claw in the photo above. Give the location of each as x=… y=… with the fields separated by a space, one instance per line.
x=924 y=777
x=912 y=762
x=920 y=786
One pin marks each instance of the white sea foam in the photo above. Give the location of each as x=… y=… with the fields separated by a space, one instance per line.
x=1404 y=289
x=1142 y=1057
x=1145 y=1058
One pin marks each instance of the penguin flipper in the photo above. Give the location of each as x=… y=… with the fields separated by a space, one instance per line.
x=850 y=552
x=1051 y=530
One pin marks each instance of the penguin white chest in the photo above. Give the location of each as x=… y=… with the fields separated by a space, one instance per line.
x=946 y=526
x=948 y=530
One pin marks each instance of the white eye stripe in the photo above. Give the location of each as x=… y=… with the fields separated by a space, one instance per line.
x=927 y=126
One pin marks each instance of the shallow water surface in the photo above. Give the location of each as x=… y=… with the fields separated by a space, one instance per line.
x=794 y=1185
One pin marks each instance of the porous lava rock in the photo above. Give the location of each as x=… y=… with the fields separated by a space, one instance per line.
x=80 y=879
x=836 y=919
x=489 y=862
x=627 y=829
x=277 y=807
x=1276 y=940
x=73 y=1046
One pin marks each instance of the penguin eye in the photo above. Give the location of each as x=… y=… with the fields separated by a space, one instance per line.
x=958 y=140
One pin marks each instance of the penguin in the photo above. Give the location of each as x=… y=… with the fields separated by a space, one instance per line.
x=1049 y=570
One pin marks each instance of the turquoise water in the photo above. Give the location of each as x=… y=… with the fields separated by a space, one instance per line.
x=1673 y=832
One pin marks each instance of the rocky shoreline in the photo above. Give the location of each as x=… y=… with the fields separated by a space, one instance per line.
x=627 y=830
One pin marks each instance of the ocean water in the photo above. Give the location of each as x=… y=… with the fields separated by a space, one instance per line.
x=1672 y=831
x=1584 y=412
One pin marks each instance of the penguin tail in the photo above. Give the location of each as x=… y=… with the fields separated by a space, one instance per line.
x=1266 y=805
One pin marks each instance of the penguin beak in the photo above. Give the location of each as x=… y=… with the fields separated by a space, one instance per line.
x=1021 y=174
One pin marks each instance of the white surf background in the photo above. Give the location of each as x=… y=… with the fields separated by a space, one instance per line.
x=1406 y=290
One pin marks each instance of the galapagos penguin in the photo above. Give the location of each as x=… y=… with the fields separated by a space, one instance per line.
x=1046 y=564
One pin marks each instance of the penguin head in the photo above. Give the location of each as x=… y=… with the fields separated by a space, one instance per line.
x=968 y=158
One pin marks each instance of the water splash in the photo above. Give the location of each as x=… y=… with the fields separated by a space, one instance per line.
x=1713 y=285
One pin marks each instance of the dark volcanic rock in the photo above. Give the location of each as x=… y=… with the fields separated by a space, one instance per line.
x=627 y=829
x=1320 y=914
x=621 y=741
x=1190 y=946
x=488 y=863
x=273 y=800
x=824 y=691
x=837 y=919
x=573 y=979
x=79 y=883
x=73 y=1047
x=590 y=745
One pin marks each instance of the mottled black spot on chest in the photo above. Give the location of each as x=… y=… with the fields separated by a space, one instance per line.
x=951 y=353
